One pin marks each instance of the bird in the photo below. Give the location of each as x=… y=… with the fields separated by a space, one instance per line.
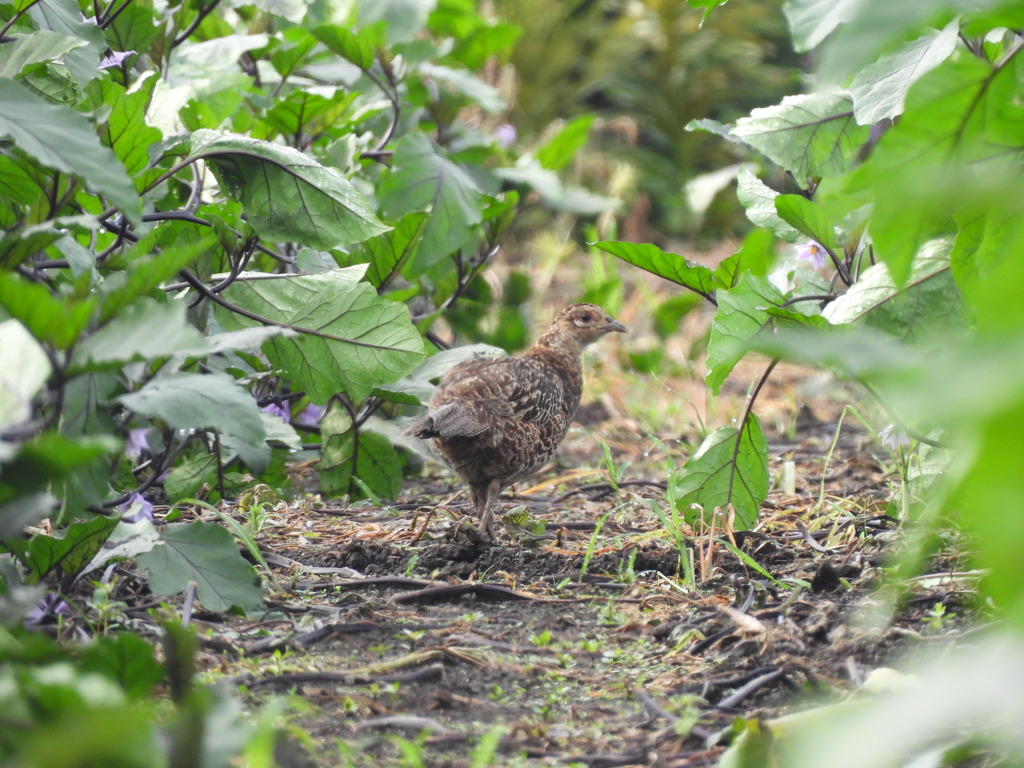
x=495 y=420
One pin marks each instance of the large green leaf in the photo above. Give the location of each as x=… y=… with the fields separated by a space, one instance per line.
x=807 y=217
x=879 y=89
x=367 y=466
x=730 y=467
x=810 y=135
x=286 y=195
x=755 y=256
x=34 y=47
x=928 y=304
x=65 y=18
x=360 y=340
x=422 y=179
x=52 y=320
x=125 y=129
x=387 y=253
x=145 y=330
x=195 y=401
x=759 y=200
x=72 y=550
x=207 y=555
x=742 y=313
x=670 y=266
x=60 y=138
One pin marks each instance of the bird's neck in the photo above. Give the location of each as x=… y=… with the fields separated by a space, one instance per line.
x=562 y=354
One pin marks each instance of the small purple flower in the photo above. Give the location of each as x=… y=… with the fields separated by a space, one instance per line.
x=893 y=437
x=310 y=415
x=812 y=253
x=114 y=59
x=506 y=135
x=51 y=605
x=137 y=443
x=281 y=410
x=136 y=508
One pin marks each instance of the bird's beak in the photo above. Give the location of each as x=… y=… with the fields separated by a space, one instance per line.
x=616 y=326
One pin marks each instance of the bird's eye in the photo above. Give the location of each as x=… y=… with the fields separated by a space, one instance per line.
x=586 y=317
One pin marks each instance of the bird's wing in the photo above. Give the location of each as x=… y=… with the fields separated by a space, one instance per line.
x=503 y=388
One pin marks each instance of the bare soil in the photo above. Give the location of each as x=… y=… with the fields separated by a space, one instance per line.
x=415 y=642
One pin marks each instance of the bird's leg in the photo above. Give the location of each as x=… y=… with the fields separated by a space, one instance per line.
x=485 y=499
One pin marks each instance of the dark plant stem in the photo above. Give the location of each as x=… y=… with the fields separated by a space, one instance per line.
x=16 y=16
x=203 y=13
x=747 y=411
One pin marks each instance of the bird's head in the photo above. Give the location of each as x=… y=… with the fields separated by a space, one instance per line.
x=586 y=323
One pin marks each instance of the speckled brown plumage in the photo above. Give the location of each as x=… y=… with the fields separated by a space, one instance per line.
x=495 y=420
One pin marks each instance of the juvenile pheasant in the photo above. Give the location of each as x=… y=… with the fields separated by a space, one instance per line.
x=495 y=420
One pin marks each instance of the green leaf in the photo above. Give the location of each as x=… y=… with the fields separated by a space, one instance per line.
x=372 y=460
x=811 y=21
x=927 y=306
x=563 y=146
x=755 y=256
x=207 y=555
x=810 y=135
x=742 y=313
x=22 y=244
x=70 y=552
x=807 y=217
x=879 y=89
x=730 y=467
x=65 y=18
x=486 y=96
x=23 y=375
x=34 y=47
x=360 y=47
x=759 y=200
x=195 y=401
x=125 y=130
x=362 y=340
x=387 y=253
x=707 y=5
x=50 y=319
x=145 y=330
x=188 y=478
x=670 y=266
x=286 y=195
x=126 y=658
x=404 y=18
x=421 y=180
x=60 y=138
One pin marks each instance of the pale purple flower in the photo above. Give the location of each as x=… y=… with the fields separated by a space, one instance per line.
x=136 y=508
x=892 y=437
x=51 y=605
x=281 y=410
x=310 y=415
x=812 y=253
x=137 y=443
x=506 y=135
x=115 y=59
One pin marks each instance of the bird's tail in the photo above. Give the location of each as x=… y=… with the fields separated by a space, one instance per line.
x=450 y=420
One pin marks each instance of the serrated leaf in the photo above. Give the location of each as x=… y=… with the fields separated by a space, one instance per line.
x=196 y=401
x=287 y=195
x=145 y=330
x=670 y=266
x=60 y=138
x=879 y=89
x=207 y=555
x=928 y=304
x=23 y=374
x=810 y=135
x=759 y=201
x=730 y=467
x=423 y=179
x=364 y=340
x=807 y=217
x=25 y=49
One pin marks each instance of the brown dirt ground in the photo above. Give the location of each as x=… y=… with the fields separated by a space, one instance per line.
x=405 y=634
